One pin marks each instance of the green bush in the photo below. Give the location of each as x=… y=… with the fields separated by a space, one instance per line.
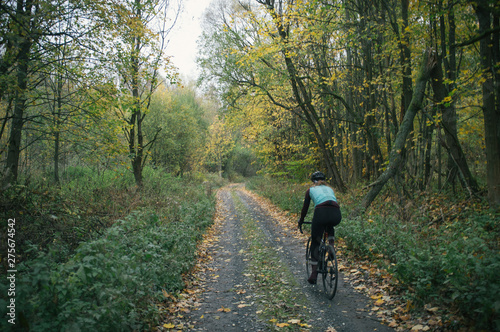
x=453 y=266
x=287 y=195
x=114 y=282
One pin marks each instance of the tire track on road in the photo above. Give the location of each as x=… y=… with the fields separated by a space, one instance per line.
x=228 y=292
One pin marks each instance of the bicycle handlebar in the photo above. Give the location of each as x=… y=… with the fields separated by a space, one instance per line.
x=305 y=222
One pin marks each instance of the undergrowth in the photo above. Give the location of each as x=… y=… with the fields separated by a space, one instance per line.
x=112 y=280
x=441 y=249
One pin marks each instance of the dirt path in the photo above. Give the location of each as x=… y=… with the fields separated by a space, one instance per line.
x=252 y=278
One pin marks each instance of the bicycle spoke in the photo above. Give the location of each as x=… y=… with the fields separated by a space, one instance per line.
x=330 y=277
x=308 y=258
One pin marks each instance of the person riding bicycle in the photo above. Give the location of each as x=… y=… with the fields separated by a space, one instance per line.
x=326 y=216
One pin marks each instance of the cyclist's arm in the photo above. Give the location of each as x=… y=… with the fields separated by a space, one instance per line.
x=305 y=207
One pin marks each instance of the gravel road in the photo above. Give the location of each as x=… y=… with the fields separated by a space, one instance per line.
x=227 y=294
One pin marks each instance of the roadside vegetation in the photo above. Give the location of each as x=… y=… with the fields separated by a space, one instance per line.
x=442 y=250
x=97 y=252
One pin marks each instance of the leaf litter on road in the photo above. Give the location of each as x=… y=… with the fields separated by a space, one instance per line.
x=365 y=277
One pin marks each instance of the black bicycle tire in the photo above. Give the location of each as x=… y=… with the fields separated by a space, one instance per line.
x=331 y=274
x=308 y=258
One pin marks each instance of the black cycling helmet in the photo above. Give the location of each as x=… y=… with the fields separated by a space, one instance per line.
x=317 y=176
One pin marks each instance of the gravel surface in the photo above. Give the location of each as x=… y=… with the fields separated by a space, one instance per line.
x=224 y=296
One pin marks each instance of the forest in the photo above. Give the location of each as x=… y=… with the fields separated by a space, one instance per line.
x=110 y=158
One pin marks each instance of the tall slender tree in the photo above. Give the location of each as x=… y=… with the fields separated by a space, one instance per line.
x=143 y=26
x=488 y=14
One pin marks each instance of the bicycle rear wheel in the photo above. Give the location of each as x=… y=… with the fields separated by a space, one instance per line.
x=330 y=277
x=308 y=258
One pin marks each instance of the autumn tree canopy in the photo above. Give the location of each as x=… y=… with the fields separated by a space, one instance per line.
x=352 y=84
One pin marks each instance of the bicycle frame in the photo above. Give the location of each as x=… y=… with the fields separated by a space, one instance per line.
x=327 y=264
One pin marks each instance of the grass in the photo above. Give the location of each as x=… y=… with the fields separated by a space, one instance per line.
x=113 y=276
x=443 y=250
x=280 y=305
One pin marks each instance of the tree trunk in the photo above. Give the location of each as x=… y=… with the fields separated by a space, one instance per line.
x=57 y=127
x=395 y=156
x=405 y=56
x=14 y=150
x=304 y=101
x=136 y=151
x=488 y=49
x=451 y=142
x=23 y=46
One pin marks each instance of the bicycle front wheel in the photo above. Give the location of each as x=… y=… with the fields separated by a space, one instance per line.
x=308 y=258
x=330 y=277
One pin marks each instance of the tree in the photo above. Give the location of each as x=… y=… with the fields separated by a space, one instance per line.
x=178 y=119
x=488 y=14
x=24 y=19
x=342 y=71
x=39 y=38
x=143 y=26
x=219 y=145
x=395 y=157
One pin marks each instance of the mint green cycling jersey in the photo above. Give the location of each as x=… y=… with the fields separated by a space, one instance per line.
x=321 y=194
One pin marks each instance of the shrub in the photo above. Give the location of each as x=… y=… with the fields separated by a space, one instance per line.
x=114 y=282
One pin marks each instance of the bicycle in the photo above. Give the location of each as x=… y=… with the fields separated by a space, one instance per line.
x=327 y=264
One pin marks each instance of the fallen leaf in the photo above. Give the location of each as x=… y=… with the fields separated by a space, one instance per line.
x=393 y=324
x=282 y=324
x=169 y=326
x=222 y=309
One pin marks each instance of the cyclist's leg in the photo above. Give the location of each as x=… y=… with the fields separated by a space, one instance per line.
x=334 y=218
x=317 y=229
x=331 y=234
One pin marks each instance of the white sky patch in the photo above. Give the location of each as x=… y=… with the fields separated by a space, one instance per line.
x=183 y=37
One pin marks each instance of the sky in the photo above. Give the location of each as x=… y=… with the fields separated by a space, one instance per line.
x=183 y=37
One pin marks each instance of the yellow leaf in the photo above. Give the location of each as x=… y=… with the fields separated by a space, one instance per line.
x=282 y=324
x=169 y=326
x=222 y=309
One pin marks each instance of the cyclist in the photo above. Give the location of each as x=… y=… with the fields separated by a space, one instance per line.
x=326 y=216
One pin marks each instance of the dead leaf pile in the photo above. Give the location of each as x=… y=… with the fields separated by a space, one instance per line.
x=175 y=306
